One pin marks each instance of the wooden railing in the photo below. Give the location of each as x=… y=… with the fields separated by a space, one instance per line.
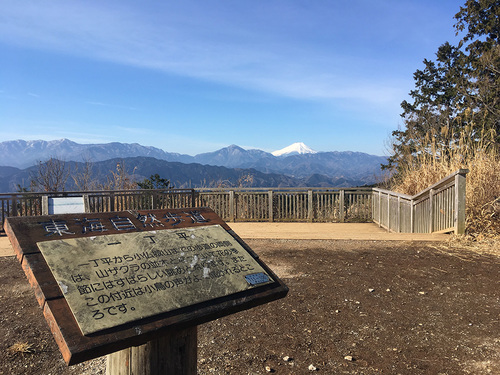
x=123 y=200
x=438 y=209
x=32 y=204
x=289 y=204
x=331 y=205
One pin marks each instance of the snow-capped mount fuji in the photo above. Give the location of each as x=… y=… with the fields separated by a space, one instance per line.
x=297 y=148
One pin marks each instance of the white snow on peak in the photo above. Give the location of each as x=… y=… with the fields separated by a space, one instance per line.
x=296 y=148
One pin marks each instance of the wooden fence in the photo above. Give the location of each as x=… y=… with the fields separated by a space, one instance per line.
x=319 y=205
x=33 y=204
x=290 y=204
x=440 y=208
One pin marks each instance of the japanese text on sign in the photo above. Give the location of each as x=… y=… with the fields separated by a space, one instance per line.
x=110 y=280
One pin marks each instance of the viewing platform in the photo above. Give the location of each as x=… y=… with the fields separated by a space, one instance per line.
x=327 y=231
x=305 y=231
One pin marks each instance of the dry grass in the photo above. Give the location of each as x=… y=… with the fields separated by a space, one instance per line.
x=21 y=347
x=475 y=151
x=480 y=245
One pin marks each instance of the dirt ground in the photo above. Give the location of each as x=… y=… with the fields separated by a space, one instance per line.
x=354 y=307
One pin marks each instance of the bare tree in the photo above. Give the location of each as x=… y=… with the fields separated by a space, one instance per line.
x=121 y=179
x=245 y=180
x=50 y=175
x=84 y=180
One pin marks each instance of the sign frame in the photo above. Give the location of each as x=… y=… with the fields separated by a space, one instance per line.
x=25 y=232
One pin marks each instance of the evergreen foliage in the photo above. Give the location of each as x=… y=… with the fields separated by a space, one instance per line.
x=459 y=90
x=155 y=182
x=453 y=119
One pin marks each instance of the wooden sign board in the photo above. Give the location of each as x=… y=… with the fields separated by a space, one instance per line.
x=109 y=281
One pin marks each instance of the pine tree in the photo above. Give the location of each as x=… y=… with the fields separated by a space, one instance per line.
x=461 y=88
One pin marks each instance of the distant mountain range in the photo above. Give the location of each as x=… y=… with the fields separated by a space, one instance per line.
x=23 y=154
x=295 y=165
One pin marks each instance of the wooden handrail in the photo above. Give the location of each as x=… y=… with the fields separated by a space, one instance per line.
x=438 y=208
x=441 y=182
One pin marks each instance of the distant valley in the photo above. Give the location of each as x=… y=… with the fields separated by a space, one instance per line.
x=296 y=165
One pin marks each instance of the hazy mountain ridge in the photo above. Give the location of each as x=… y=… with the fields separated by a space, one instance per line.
x=337 y=169
x=180 y=175
x=8 y=171
x=23 y=154
x=233 y=157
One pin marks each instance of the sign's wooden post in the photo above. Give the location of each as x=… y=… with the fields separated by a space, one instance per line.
x=135 y=285
x=173 y=354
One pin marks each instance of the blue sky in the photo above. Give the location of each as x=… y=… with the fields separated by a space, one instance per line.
x=195 y=76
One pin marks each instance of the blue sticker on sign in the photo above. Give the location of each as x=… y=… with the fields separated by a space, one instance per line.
x=257 y=278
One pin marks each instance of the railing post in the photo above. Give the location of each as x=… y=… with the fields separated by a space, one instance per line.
x=379 y=209
x=154 y=200
x=412 y=209
x=372 y=201
x=341 y=205
x=86 y=202
x=14 y=205
x=111 y=201
x=231 y=206
x=271 y=205
x=193 y=198
x=45 y=205
x=460 y=190
x=388 y=212
x=399 y=215
x=372 y=197
x=431 y=211
x=310 y=208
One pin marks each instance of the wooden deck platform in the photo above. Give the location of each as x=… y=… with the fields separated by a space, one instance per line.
x=327 y=231
x=305 y=231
